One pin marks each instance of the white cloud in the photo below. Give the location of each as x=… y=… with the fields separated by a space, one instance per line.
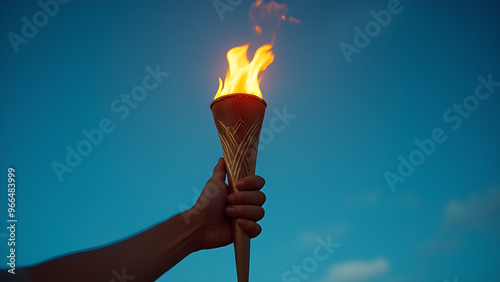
x=359 y=270
x=479 y=212
x=475 y=211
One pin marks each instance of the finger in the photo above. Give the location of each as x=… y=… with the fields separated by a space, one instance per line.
x=252 y=182
x=256 y=198
x=251 y=227
x=219 y=173
x=254 y=213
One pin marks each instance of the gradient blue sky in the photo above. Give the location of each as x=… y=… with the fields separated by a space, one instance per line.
x=324 y=170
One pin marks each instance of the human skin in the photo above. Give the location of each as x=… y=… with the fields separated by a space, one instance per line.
x=149 y=254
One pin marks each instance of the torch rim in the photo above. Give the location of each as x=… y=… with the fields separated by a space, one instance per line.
x=233 y=95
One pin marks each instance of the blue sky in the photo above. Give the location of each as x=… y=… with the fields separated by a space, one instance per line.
x=420 y=77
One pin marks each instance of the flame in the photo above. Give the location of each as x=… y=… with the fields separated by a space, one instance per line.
x=243 y=76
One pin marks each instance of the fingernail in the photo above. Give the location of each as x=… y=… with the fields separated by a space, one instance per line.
x=242 y=221
x=230 y=210
x=240 y=183
x=230 y=199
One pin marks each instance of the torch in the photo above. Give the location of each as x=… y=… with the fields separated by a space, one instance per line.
x=238 y=110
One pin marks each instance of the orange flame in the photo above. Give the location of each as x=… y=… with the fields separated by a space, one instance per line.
x=258 y=29
x=243 y=76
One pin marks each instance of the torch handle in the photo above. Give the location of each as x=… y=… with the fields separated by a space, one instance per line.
x=241 y=241
x=241 y=252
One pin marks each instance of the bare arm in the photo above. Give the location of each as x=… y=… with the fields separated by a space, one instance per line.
x=148 y=255
x=145 y=256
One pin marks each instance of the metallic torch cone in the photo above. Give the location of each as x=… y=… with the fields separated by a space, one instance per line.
x=238 y=118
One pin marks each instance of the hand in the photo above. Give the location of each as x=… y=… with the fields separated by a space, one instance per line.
x=215 y=208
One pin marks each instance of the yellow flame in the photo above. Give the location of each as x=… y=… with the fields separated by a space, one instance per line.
x=243 y=76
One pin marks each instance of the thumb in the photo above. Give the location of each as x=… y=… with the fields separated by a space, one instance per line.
x=219 y=173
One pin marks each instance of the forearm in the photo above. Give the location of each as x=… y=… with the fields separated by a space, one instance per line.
x=146 y=256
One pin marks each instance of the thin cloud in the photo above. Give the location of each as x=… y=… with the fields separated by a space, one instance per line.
x=308 y=238
x=479 y=211
x=359 y=270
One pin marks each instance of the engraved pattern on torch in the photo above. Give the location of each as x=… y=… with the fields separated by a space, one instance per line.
x=240 y=147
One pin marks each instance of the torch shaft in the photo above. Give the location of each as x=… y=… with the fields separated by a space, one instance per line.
x=241 y=239
x=241 y=252
x=238 y=118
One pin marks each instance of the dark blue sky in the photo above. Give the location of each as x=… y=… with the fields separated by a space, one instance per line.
x=387 y=146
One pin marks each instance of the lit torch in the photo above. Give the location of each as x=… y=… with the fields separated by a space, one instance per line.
x=238 y=110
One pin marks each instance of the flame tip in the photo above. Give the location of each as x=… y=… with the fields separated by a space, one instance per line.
x=243 y=75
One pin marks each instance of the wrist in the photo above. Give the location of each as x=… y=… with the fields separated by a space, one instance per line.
x=192 y=220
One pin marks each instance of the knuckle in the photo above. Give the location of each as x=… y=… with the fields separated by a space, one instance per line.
x=262 y=213
x=263 y=197
x=258 y=230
